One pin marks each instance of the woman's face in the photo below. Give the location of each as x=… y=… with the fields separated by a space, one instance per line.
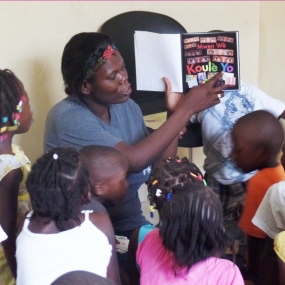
x=111 y=85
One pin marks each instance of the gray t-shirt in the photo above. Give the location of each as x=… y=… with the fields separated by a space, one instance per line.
x=71 y=124
x=94 y=206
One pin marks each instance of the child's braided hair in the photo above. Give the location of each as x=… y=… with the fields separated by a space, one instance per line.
x=58 y=185
x=164 y=180
x=10 y=94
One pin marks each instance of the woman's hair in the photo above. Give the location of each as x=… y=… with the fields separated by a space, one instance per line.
x=79 y=55
x=10 y=94
x=192 y=225
x=58 y=184
x=164 y=180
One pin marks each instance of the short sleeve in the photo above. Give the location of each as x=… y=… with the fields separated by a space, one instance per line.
x=270 y=216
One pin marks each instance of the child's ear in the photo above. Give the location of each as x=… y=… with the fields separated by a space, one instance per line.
x=85 y=88
x=264 y=154
x=99 y=189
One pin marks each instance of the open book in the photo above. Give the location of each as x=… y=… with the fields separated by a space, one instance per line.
x=186 y=59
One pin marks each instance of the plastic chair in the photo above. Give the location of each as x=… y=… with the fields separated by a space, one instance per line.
x=121 y=29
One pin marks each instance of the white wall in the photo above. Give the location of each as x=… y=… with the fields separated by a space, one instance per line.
x=33 y=35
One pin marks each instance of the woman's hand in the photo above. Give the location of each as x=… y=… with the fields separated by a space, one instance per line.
x=205 y=95
x=173 y=100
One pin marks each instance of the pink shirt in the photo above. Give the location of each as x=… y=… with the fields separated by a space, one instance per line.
x=155 y=264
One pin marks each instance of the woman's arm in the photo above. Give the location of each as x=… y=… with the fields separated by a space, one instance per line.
x=103 y=223
x=152 y=148
x=9 y=187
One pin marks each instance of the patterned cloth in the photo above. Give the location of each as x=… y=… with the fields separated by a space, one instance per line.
x=217 y=123
x=231 y=196
x=9 y=162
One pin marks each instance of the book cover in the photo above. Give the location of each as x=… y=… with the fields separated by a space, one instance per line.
x=186 y=59
x=205 y=54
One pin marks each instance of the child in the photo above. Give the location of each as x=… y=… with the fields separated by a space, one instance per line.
x=257 y=138
x=217 y=122
x=160 y=184
x=16 y=118
x=56 y=237
x=108 y=177
x=191 y=238
x=107 y=174
x=270 y=217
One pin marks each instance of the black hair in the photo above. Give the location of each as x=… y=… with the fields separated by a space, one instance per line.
x=263 y=130
x=58 y=184
x=191 y=226
x=99 y=156
x=170 y=176
x=81 y=278
x=10 y=94
x=79 y=55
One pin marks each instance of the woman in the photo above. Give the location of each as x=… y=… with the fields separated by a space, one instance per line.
x=98 y=110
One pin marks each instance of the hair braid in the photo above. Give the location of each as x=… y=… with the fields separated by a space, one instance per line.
x=170 y=178
x=10 y=93
x=192 y=225
x=57 y=183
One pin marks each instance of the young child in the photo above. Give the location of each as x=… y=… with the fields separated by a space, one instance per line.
x=186 y=249
x=107 y=174
x=257 y=138
x=15 y=118
x=56 y=237
x=217 y=122
x=108 y=177
x=160 y=184
x=270 y=218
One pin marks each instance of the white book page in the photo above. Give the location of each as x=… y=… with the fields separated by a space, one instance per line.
x=158 y=56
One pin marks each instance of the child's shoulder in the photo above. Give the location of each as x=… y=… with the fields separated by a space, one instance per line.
x=102 y=222
x=9 y=162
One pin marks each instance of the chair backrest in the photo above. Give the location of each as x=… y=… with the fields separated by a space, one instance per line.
x=121 y=29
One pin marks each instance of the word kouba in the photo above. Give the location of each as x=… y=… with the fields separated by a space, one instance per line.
x=210 y=67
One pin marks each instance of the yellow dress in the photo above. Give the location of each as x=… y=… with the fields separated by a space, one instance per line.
x=8 y=163
x=279 y=245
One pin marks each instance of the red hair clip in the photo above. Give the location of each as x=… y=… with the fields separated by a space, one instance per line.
x=108 y=52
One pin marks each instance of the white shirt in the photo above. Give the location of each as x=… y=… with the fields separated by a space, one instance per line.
x=42 y=258
x=217 y=123
x=270 y=215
